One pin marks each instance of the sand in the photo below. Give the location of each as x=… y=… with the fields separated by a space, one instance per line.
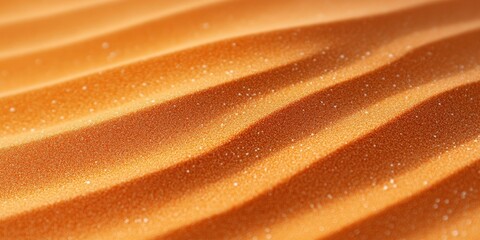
x=248 y=119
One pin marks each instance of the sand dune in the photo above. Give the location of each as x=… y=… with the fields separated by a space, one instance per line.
x=240 y=119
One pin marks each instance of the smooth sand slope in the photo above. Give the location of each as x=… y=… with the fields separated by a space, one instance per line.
x=314 y=119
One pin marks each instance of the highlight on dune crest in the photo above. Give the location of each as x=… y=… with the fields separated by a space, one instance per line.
x=240 y=119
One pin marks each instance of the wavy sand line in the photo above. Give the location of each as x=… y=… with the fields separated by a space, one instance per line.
x=458 y=189
x=42 y=102
x=36 y=35
x=121 y=198
x=228 y=92
x=322 y=182
x=141 y=145
x=15 y=11
x=95 y=58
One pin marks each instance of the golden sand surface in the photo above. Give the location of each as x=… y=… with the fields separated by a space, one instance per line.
x=240 y=119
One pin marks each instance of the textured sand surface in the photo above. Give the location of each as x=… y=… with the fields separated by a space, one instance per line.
x=247 y=119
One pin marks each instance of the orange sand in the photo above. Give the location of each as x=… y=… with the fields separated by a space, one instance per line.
x=248 y=119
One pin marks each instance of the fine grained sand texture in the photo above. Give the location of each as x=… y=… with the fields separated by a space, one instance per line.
x=246 y=119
